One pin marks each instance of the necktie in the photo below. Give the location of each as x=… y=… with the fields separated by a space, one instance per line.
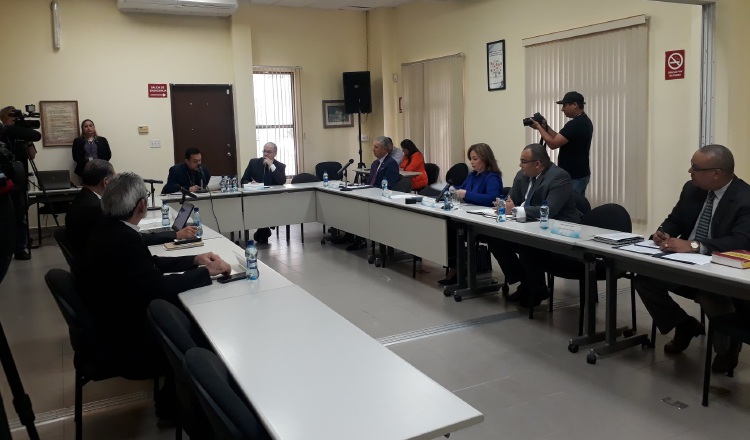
x=375 y=174
x=530 y=192
x=704 y=221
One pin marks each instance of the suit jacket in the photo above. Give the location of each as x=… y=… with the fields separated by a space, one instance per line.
x=256 y=170
x=180 y=176
x=553 y=185
x=118 y=279
x=79 y=152
x=388 y=170
x=730 y=224
x=85 y=214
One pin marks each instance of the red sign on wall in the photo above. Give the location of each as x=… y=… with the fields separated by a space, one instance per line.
x=674 y=64
x=157 y=90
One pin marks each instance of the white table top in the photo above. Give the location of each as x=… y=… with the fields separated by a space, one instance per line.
x=311 y=374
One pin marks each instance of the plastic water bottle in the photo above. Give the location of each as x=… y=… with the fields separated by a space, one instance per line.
x=234 y=184
x=198 y=223
x=223 y=184
x=251 y=258
x=544 y=215
x=500 y=209
x=325 y=179
x=384 y=186
x=447 y=200
x=164 y=214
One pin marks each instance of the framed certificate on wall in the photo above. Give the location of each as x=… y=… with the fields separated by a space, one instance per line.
x=59 y=123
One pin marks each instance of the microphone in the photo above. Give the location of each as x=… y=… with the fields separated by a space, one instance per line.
x=351 y=161
x=152 y=181
x=442 y=192
x=200 y=171
x=187 y=193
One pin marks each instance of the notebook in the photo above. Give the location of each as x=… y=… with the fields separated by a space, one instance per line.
x=179 y=222
x=55 y=179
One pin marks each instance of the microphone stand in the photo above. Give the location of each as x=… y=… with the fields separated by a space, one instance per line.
x=153 y=206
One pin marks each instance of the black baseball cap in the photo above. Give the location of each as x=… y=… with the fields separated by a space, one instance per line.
x=572 y=97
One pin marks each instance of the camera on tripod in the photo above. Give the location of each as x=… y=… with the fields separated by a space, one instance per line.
x=28 y=120
x=528 y=122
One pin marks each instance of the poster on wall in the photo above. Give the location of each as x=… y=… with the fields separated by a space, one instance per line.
x=496 y=65
x=674 y=64
x=59 y=123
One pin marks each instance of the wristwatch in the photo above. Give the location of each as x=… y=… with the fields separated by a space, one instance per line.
x=695 y=246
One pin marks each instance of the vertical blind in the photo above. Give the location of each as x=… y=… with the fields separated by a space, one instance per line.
x=433 y=107
x=277 y=113
x=610 y=69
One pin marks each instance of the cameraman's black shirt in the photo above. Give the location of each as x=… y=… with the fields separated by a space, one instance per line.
x=574 y=156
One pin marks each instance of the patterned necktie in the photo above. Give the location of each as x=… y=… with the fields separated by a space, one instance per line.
x=375 y=174
x=530 y=192
x=704 y=221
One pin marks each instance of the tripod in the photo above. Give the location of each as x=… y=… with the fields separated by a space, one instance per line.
x=21 y=400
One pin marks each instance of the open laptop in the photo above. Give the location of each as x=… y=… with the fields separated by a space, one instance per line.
x=179 y=222
x=55 y=179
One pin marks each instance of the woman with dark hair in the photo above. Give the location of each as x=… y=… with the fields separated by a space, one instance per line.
x=89 y=146
x=414 y=161
x=482 y=186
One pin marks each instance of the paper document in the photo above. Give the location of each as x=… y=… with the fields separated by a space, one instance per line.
x=637 y=248
x=150 y=222
x=689 y=258
x=648 y=243
x=401 y=196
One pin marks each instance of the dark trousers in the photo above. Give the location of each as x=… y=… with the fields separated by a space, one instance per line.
x=506 y=254
x=20 y=201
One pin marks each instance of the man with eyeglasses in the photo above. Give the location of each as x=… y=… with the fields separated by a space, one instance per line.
x=268 y=171
x=537 y=181
x=574 y=139
x=711 y=215
x=122 y=278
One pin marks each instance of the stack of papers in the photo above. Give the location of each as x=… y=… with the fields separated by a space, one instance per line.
x=618 y=238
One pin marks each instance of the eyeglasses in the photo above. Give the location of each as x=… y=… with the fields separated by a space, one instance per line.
x=524 y=161
x=268 y=151
x=695 y=169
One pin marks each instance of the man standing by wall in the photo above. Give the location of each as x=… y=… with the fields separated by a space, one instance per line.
x=574 y=139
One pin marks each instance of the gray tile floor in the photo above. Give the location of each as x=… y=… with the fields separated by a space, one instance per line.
x=517 y=371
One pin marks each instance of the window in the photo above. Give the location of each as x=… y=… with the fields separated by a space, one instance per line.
x=277 y=117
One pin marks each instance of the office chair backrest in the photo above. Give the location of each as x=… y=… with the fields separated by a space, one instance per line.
x=230 y=416
x=609 y=216
x=65 y=246
x=582 y=204
x=331 y=167
x=80 y=324
x=403 y=185
x=433 y=172
x=506 y=191
x=307 y=177
x=457 y=174
x=177 y=335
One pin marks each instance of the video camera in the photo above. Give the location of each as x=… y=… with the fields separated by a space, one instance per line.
x=528 y=122
x=28 y=120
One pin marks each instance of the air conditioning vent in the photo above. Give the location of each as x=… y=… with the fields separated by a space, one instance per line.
x=211 y=8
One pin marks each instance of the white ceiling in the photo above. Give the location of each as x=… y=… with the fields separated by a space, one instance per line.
x=355 y=5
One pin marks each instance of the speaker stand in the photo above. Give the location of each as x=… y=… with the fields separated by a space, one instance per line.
x=361 y=163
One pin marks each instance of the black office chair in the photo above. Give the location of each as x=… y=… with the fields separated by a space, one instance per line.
x=433 y=172
x=403 y=185
x=89 y=359
x=737 y=328
x=608 y=216
x=330 y=167
x=65 y=246
x=303 y=178
x=582 y=204
x=230 y=415
x=457 y=174
x=177 y=335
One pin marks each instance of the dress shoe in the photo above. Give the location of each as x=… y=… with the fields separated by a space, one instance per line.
x=683 y=334
x=726 y=362
x=358 y=244
x=535 y=299
x=23 y=255
x=346 y=238
x=449 y=281
x=518 y=295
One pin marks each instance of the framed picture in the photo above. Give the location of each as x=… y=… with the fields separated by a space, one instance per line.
x=335 y=115
x=59 y=122
x=496 y=65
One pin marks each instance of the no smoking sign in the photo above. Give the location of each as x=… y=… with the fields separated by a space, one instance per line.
x=674 y=64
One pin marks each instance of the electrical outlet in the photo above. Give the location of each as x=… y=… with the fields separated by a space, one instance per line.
x=155 y=143
x=365 y=138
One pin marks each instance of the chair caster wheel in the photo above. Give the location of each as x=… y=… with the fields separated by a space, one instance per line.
x=573 y=348
x=377 y=262
x=458 y=298
x=371 y=259
x=591 y=358
x=627 y=333
x=447 y=292
x=323 y=241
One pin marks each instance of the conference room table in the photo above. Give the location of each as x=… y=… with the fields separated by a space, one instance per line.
x=308 y=372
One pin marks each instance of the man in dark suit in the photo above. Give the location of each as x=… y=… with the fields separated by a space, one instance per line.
x=121 y=277
x=538 y=180
x=712 y=215
x=191 y=174
x=268 y=171
x=85 y=211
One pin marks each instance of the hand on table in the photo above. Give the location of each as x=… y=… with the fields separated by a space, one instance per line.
x=187 y=232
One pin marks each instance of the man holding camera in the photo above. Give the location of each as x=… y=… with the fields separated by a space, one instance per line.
x=575 y=137
x=20 y=143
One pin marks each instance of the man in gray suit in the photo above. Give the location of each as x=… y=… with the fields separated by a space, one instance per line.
x=538 y=180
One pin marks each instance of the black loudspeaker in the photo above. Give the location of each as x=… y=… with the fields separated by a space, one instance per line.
x=357 y=92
